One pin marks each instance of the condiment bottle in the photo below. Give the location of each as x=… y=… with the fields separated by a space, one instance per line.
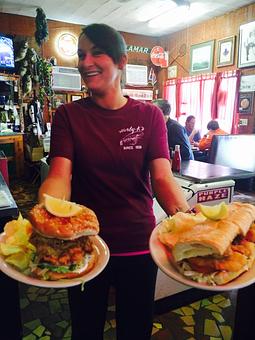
x=176 y=162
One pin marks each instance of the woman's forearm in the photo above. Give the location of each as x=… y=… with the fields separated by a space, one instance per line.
x=56 y=187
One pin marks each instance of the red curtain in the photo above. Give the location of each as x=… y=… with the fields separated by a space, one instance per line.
x=209 y=96
x=227 y=98
x=170 y=94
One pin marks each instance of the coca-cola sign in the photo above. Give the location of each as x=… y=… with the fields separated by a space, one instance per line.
x=159 y=57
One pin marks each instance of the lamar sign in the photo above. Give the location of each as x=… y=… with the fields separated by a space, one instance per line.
x=138 y=49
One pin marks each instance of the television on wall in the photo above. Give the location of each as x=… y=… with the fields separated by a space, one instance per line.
x=7 y=59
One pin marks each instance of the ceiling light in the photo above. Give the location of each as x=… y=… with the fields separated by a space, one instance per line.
x=154 y=9
x=169 y=19
x=175 y=17
x=182 y=2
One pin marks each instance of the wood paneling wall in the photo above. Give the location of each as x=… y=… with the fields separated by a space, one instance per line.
x=216 y=28
x=25 y=26
x=213 y=29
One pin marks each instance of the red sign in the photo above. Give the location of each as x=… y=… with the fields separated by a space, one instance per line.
x=159 y=56
x=212 y=195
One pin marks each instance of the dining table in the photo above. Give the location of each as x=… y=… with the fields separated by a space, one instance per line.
x=202 y=172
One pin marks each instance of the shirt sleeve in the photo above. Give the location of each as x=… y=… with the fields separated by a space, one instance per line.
x=182 y=139
x=61 y=140
x=158 y=143
x=205 y=143
x=197 y=137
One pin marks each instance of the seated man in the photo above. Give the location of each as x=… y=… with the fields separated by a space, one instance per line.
x=176 y=132
x=192 y=132
x=213 y=129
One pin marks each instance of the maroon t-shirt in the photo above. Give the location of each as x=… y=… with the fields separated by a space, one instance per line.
x=110 y=151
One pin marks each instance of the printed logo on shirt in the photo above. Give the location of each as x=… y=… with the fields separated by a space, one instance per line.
x=131 y=137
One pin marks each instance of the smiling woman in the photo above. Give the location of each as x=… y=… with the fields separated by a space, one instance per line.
x=104 y=151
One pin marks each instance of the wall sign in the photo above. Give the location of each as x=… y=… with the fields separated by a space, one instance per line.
x=136 y=75
x=138 y=94
x=245 y=102
x=212 y=195
x=172 y=72
x=247 y=83
x=159 y=57
x=138 y=49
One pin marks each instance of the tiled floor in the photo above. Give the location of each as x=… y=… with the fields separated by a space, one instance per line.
x=45 y=312
x=45 y=316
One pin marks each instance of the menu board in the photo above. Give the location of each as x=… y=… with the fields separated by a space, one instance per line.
x=136 y=75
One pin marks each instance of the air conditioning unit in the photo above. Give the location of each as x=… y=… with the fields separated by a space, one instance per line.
x=66 y=78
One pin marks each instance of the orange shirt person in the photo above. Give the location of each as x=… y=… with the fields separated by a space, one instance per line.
x=213 y=129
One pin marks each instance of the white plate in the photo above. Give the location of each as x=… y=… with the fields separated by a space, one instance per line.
x=162 y=255
x=103 y=258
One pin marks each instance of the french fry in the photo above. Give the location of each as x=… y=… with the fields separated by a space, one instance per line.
x=16 y=247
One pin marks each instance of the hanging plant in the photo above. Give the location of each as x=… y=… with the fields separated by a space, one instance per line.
x=41 y=33
x=44 y=69
x=25 y=64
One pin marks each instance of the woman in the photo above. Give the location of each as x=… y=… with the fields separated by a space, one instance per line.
x=103 y=149
x=213 y=129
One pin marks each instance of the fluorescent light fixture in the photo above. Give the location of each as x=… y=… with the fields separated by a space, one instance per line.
x=153 y=9
x=177 y=15
x=170 y=18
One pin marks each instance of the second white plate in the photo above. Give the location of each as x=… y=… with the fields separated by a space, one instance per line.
x=162 y=255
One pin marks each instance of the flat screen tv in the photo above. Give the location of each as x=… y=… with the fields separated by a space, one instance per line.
x=7 y=60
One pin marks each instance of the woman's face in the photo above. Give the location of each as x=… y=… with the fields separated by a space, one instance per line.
x=97 y=69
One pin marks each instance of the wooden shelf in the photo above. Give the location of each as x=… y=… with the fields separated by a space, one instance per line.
x=18 y=157
x=6 y=76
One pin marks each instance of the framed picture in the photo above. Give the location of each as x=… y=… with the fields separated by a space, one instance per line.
x=245 y=102
x=247 y=83
x=172 y=72
x=246 y=54
x=201 y=57
x=58 y=99
x=74 y=96
x=225 y=51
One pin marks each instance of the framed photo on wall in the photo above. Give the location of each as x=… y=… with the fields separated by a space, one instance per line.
x=201 y=57
x=246 y=53
x=71 y=97
x=58 y=99
x=245 y=102
x=225 y=51
x=75 y=97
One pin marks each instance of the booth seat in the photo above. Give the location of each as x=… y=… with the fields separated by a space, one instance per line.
x=235 y=151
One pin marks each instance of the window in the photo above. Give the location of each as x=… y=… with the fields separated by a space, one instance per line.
x=210 y=96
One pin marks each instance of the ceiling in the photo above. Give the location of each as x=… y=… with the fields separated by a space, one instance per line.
x=124 y=15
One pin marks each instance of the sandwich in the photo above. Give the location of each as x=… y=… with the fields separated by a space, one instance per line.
x=213 y=251
x=63 y=237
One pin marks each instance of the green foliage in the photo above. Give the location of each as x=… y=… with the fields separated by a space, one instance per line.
x=41 y=33
x=44 y=71
x=33 y=71
x=26 y=66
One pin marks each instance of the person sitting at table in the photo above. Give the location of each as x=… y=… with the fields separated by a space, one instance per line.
x=213 y=129
x=192 y=132
x=175 y=131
